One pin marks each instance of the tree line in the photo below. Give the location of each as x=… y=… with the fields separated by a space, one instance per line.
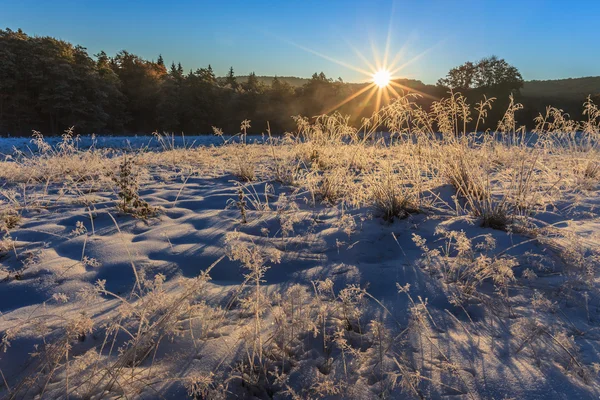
x=48 y=85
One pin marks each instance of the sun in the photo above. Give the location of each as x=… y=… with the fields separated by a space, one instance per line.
x=381 y=78
x=384 y=80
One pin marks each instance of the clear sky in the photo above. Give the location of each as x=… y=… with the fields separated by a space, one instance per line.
x=543 y=39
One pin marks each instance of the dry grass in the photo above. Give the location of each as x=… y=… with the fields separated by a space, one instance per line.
x=500 y=178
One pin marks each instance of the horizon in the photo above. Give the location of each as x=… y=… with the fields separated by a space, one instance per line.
x=416 y=79
x=273 y=41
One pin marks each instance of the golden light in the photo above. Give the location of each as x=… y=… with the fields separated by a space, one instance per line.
x=386 y=83
x=382 y=78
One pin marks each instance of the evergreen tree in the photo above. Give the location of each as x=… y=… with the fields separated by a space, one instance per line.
x=206 y=75
x=141 y=81
x=280 y=105
x=252 y=84
x=230 y=79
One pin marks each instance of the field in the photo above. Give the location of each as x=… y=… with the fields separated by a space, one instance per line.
x=436 y=261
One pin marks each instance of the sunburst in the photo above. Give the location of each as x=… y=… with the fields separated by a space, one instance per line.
x=382 y=78
x=382 y=72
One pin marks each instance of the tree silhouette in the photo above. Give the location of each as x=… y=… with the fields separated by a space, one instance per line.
x=490 y=73
x=230 y=79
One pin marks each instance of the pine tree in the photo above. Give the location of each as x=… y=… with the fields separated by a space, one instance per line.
x=252 y=84
x=210 y=75
x=206 y=75
x=230 y=79
x=176 y=73
x=275 y=84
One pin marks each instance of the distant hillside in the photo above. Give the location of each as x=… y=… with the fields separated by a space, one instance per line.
x=297 y=82
x=292 y=80
x=567 y=89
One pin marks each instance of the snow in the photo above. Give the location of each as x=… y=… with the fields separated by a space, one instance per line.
x=190 y=233
x=9 y=144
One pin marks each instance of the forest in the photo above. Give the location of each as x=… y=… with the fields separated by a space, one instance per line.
x=49 y=85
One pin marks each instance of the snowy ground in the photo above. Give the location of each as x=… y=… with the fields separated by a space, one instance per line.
x=8 y=145
x=309 y=297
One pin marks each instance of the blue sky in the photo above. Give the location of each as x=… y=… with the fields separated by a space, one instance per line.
x=544 y=39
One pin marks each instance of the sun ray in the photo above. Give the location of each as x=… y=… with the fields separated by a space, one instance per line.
x=361 y=56
x=368 y=98
x=378 y=102
x=388 y=40
x=347 y=99
x=400 y=53
x=386 y=95
x=326 y=57
x=407 y=63
x=409 y=89
x=391 y=88
x=392 y=65
x=415 y=58
x=319 y=54
x=375 y=53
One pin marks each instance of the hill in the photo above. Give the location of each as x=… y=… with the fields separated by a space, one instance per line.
x=297 y=82
x=292 y=80
x=567 y=89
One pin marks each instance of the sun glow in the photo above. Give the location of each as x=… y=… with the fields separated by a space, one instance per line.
x=384 y=70
x=382 y=78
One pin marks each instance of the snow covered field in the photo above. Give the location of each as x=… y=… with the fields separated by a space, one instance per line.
x=8 y=145
x=323 y=267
